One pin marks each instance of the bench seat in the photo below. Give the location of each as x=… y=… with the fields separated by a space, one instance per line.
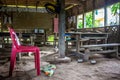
x=88 y=52
x=101 y=45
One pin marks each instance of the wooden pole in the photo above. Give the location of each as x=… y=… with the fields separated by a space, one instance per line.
x=62 y=29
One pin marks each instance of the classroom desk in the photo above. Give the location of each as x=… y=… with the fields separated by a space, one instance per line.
x=87 y=35
x=5 y=40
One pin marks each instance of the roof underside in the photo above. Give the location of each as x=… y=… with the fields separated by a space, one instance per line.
x=38 y=3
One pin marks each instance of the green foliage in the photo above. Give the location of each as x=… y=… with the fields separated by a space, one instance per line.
x=114 y=8
x=96 y=24
x=89 y=20
x=80 y=25
x=51 y=38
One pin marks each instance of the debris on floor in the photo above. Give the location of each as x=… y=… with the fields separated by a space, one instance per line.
x=48 y=69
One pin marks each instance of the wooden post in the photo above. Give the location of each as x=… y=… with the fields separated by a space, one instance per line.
x=62 y=29
x=93 y=19
x=105 y=11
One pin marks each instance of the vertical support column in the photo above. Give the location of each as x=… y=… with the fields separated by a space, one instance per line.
x=84 y=10
x=105 y=20
x=105 y=16
x=84 y=22
x=93 y=12
x=62 y=29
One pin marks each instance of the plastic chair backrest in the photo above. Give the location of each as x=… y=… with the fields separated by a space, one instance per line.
x=15 y=39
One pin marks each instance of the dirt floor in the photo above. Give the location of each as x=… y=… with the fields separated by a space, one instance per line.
x=104 y=69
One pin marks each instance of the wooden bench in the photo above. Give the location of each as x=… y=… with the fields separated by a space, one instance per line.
x=88 y=53
x=72 y=41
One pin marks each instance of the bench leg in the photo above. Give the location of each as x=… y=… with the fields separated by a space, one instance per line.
x=117 y=53
x=87 y=55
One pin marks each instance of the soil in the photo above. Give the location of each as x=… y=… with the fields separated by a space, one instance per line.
x=104 y=69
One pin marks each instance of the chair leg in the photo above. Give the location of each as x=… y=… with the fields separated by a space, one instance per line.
x=12 y=62
x=35 y=55
x=38 y=62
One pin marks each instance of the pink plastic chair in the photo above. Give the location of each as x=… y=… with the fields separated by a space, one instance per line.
x=17 y=48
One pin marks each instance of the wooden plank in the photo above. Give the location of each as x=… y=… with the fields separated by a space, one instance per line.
x=101 y=45
x=103 y=52
x=96 y=37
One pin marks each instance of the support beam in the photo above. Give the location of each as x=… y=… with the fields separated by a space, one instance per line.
x=22 y=9
x=62 y=29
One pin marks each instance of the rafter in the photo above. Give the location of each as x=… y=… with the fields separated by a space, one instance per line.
x=39 y=3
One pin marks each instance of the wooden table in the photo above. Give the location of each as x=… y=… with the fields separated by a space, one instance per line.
x=87 y=35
